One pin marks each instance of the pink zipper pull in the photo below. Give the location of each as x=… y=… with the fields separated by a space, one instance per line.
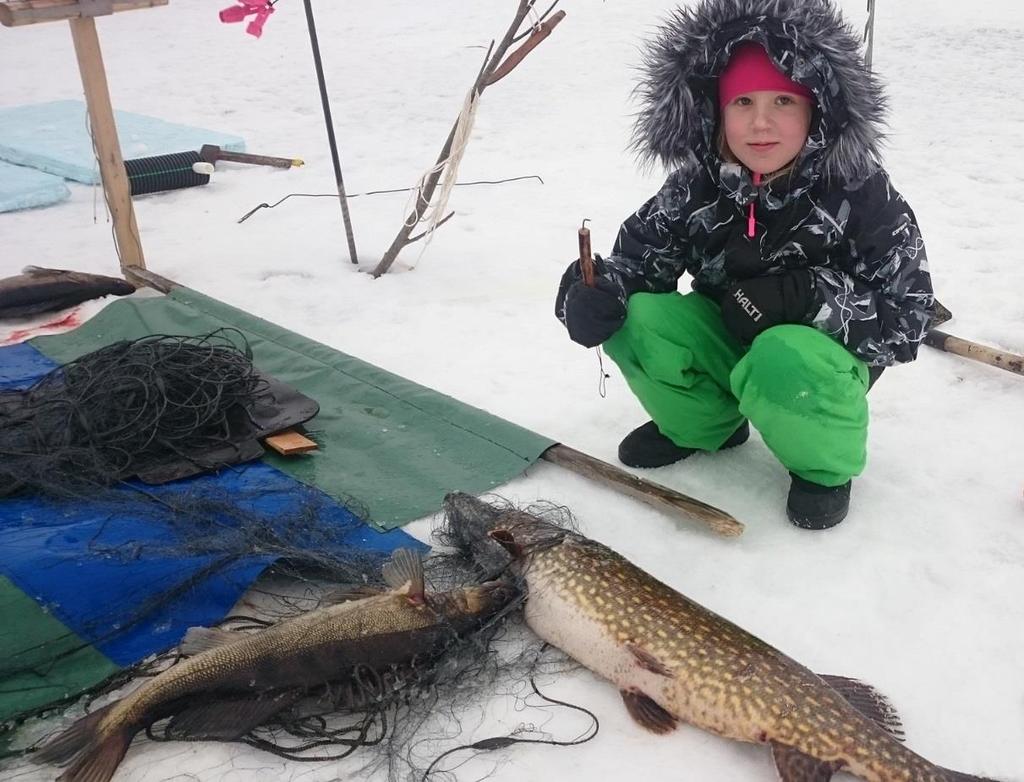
x=751 y=222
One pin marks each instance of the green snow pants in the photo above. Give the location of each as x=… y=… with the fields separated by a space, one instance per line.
x=802 y=390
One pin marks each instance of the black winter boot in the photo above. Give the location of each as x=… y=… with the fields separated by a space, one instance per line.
x=646 y=446
x=813 y=506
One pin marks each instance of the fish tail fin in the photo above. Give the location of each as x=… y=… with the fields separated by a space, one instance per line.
x=98 y=763
x=73 y=740
x=97 y=753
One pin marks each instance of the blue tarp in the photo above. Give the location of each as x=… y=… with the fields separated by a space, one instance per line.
x=23 y=188
x=90 y=564
x=21 y=365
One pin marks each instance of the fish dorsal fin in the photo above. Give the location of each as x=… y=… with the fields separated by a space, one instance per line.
x=869 y=702
x=647 y=713
x=794 y=766
x=202 y=639
x=405 y=571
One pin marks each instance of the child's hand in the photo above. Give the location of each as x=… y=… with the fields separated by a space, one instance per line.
x=591 y=314
x=756 y=304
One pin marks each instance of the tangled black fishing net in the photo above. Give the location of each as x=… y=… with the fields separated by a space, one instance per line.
x=133 y=408
x=413 y=716
x=404 y=721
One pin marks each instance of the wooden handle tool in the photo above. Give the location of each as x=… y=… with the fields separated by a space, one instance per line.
x=586 y=259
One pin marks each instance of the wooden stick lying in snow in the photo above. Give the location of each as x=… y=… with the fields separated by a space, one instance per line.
x=654 y=494
x=940 y=340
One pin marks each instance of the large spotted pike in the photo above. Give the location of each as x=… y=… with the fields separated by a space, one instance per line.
x=235 y=681
x=673 y=660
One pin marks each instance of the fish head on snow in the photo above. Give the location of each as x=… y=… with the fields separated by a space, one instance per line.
x=466 y=529
x=522 y=534
x=471 y=514
x=465 y=608
x=496 y=535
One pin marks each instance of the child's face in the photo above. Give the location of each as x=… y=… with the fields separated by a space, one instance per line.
x=766 y=129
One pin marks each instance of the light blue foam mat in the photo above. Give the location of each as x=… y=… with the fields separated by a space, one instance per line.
x=23 y=188
x=54 y=137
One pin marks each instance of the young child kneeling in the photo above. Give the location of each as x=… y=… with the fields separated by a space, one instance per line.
x=809 y=271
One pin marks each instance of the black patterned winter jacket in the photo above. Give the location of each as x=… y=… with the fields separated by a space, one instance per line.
x=835 y=213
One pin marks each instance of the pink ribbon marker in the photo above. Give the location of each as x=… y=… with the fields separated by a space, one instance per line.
x=259 y=9
x=751 y=222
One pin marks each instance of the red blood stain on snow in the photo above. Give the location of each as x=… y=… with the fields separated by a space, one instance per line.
x=65 y=323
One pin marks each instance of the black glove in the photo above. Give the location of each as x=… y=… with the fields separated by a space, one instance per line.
x=751 y=306
x=591 y=314
x=743 y=256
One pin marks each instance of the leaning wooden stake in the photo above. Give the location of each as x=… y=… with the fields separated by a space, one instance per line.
x=80 y=13
x=653 y=494
x=108 y=148
x=495 y=67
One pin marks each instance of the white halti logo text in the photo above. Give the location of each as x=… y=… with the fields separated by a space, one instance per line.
x=747 y=306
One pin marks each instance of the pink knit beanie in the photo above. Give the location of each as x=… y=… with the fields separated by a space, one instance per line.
x=750 y=69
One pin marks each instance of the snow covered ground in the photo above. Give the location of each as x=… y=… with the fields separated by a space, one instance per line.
x=920 y=591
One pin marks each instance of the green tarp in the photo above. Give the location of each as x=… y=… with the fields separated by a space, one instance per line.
x=390 y=445
x=72 y=663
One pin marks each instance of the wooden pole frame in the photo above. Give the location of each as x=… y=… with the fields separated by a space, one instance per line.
x=80 y=14
x=116 y=188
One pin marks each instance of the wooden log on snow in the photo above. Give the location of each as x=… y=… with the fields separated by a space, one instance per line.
x=940 y=340
x=653 y=494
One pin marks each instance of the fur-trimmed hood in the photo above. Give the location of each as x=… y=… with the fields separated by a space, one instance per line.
x=808 y=41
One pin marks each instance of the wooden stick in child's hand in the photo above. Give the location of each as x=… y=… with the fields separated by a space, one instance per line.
x=586 y=261
x=587 y=271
